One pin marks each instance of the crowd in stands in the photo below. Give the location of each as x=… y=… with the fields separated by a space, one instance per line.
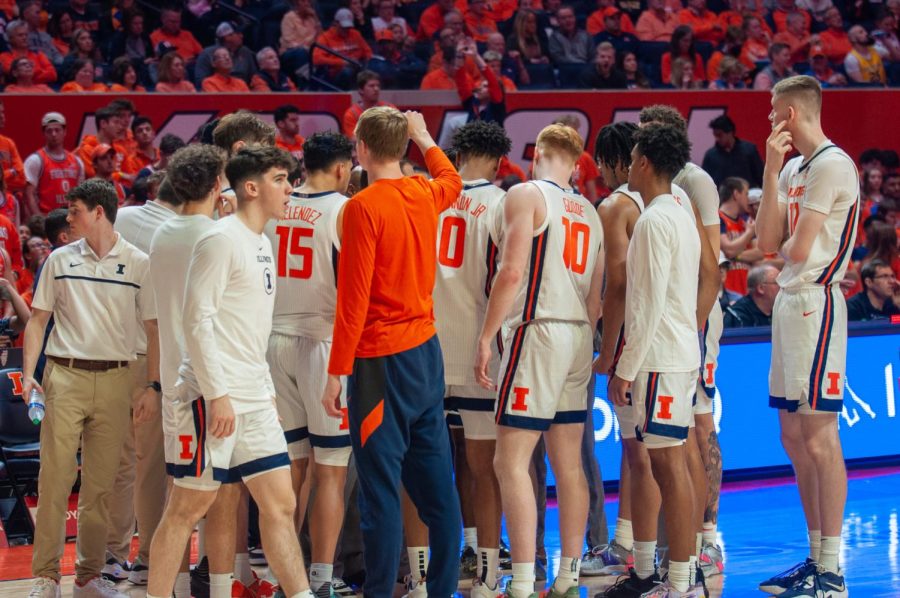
x=288 y=45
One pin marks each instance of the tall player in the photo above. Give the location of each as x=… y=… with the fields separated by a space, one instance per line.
x=467 y=261
x=809 y=213
x=307 y=245
x=193 y=175
x=704 y=456
x=547 y=293
x=661 y=356
x=232 y=429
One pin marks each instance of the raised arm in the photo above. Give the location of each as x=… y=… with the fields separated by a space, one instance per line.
x=445 y=183
x=771 y=220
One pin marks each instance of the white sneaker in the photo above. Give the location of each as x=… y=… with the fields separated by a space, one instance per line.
x=415 y=589
x=44 y=587
x=113 y=569
x=139 y=573
x=97 y=588
x=481 y=590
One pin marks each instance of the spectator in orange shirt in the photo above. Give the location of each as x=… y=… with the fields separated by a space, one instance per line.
x=170 y=31
x=584 y=177
x=346 y=41
x=756 y=42
x=835 y=41
x=124 y=77
x=657 y=23
x=145 y=153
x=795 y=37
x=83 y=73
x=478 y=21
x=171 y=75
x=10 y=159
x=783 y=9
x=452 y=67
x=737 y=11
x=452 y=39
x=682 y=46
x=221 y=80
x=596 y=21
x=702 y=21
x=269 y=77
x=103 y=160
x=109 y=130
x=17 y=37
x=820 y=68
x=61 y=27
x=21 y=75
x=287 y=125
x=731 y=46
x=432 y=19
x=368 y=86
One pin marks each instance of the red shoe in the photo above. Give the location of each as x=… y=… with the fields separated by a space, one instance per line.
x=238 y=590
x=262 y=588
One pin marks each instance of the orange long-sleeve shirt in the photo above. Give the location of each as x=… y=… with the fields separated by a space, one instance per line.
x=44 y=71
x=706 y=26
x=221 y=83
x=387 y=271
x=352 y=46
x=11 y=162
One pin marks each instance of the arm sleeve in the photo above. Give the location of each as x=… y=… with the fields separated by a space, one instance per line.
x=445 y=183
x=354 y=287
x=464 y=84
x=494 y=87
x=45 y=292
x=208 y=274
x=647 y=294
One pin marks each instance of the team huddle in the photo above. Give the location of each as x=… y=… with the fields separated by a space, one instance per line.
x=288 y=329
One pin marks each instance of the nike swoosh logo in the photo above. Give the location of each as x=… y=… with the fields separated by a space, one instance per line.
x=806 y=313
x=71 y=265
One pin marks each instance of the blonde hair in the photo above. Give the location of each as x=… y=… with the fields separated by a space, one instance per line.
x=802 y=87
x=562 y=140
x=385 y=132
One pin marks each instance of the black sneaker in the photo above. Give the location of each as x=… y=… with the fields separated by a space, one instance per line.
x=785 y=580
x=505 y=558
x=200 y=579
x=468 y=564
x=821 y=584
x=257 y=557
x=630 y=586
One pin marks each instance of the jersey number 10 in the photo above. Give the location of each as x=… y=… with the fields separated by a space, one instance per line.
x=575 y=251
x=289 y=239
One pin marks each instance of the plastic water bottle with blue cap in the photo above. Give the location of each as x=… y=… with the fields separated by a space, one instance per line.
x=36 y=406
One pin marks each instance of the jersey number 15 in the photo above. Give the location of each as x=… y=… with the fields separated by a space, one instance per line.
x=289 y=243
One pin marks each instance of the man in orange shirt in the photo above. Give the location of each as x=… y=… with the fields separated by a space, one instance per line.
x=384 y=335
x=452 y=71
x=834 y=40
x=109 y=127
x=17 y=36
x=596 y=22
x=144 y=153
x=432 y=19
x=781 y=12
x=103 y=159
x=10 y=160
x=478 y=21
x=702 y=21
x=221 y=79
x=287 y=124
x=368 y=85
x=795 y=37
x=657 y=23
x=170 y=31
x=346 y=41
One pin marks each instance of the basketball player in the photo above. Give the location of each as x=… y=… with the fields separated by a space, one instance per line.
x=809 y=213
x=307 y=243
x=661 y=353
x=467 y=261
x=704 y=456
x=384 y=334
x=195 y=171
x=232 y=428
x=547 y=295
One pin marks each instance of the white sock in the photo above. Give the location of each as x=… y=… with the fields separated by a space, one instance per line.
x=201 y=539
x=242 y=570
x=319 y=574
x=815 y=544
x=828 y=555
x=220 y=585
x=644 y=559
x=680 y=575
x=303 y=594
x=488 y=559
x=710 y=533
x=624 y=536
x=183 y=585
x=418 y=561
x=567 y=577
x=522 y=578
x=698 y=544
x=470 y=537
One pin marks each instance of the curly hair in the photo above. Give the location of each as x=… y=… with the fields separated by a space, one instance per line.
x=481 y=138
x=245 y=126
x=322 y=150
x=614 y=144
x=664 y=115
x=192 y=171
x=665 y=146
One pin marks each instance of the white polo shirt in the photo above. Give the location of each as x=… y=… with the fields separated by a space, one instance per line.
x=96 y=303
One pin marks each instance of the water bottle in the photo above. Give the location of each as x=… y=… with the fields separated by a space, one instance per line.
x=36 y=406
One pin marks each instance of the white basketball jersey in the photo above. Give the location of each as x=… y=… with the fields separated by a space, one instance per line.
x=306 y=247
x=563 y=255
x=639 y=201
x=827 y=183
x=467 y=262
x=632 y=195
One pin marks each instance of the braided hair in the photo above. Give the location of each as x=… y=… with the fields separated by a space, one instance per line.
x=614 y=144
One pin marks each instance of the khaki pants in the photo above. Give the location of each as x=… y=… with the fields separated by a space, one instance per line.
x=140 y=488
x=90 y=409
